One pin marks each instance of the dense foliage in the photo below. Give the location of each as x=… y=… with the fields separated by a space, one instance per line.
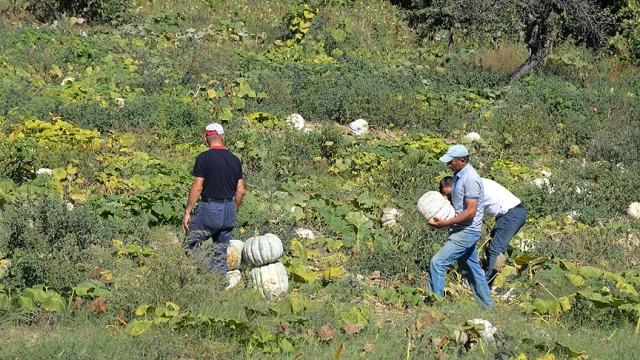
x=101 y=120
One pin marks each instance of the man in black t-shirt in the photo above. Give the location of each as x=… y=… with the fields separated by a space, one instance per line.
x=219 y=186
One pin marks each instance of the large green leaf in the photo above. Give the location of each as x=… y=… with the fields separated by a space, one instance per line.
x=54 y=303
x=576 y=280
x=357 y=219
x=25 y=303
x=5 y=300
x=590 y=272
x=358 y=315
x=138 y=327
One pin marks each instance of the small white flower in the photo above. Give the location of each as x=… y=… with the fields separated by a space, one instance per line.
x=621 y=167
x=545 y=173
x=524 y=245
x=46 y=171
x=69 y=206
x=573 y=215
x=120 y=102
x=541 y=182
x=66 y=80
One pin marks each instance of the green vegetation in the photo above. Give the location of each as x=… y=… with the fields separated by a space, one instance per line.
x=102 y=113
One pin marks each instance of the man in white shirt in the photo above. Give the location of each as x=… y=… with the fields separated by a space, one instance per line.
x=509 y=212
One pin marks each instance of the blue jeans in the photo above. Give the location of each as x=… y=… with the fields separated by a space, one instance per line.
x=506 y=227
x=216 y=221
x=461 y=246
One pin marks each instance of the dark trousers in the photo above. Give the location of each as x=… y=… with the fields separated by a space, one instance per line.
x=215 y=221
x=507 y=225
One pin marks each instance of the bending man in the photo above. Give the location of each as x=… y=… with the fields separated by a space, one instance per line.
x=509 y=212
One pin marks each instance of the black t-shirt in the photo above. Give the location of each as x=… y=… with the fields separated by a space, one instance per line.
x=221 y=171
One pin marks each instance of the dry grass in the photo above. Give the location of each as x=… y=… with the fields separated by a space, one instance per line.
x=506 y=57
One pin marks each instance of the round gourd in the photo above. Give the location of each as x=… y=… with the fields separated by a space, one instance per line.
x=295 y=120
x=234 y=278
x=234 y=254
x=305 y=234
x=634 y=210
x=261 y=250
x=432 y=203
x=270 y=280
x=359 y=127
x=389 y=217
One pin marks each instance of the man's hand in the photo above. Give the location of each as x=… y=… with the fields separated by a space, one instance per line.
x=438 y=223
x=185 y=222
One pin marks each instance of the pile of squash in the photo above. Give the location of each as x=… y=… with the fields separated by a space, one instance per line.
x=268 y=275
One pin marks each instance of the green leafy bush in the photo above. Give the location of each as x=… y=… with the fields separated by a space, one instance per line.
x=50 y=244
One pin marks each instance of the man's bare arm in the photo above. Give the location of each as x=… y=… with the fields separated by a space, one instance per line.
x=466 y=215
x=194 y=194
x=239 y=194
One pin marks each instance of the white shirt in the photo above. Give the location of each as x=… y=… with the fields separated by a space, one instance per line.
x=497 y=199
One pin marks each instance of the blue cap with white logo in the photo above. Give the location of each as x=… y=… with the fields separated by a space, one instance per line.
x=455 y=151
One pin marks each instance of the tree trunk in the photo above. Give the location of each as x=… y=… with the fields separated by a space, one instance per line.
x=534 y=59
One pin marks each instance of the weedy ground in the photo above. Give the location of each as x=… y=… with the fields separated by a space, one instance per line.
x=92 y=261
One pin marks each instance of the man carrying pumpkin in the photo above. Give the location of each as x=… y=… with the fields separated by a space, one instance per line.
x=219 y=187
x=508 y=211
x=467 y=197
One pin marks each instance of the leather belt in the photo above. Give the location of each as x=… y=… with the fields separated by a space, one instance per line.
x=216 y=201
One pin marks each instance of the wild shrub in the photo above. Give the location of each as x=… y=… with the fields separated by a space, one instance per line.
x=50 y=244
x=17 y=159
x=113 y=12
x=357 y=89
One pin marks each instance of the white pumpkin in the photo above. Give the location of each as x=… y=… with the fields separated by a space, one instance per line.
x=359 y=127
x=234 y=254
x=261 y=250
x=472 y=136
x=305 y=234
x=271 y=280
x=432 y=204
x=489 y=330
x=295 y=120
x=634 y=210
x=234 y=278
x=389 y=217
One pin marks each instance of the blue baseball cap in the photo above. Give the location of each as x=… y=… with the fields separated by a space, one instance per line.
x=454 y=151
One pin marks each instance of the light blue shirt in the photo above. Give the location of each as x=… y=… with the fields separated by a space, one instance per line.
x=467 y=185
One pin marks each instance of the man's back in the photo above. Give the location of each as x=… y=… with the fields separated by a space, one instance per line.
x=497 y=199
x=221 y=170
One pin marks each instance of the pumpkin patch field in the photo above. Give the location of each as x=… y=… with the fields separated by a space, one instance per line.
x=339 y=111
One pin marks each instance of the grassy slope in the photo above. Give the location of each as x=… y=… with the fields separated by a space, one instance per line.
x=408 y=92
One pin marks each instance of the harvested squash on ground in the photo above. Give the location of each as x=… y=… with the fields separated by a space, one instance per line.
x=262 y=250
x=389 y=217
x=234 y=254
x=234 y=278
x=270 y=280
